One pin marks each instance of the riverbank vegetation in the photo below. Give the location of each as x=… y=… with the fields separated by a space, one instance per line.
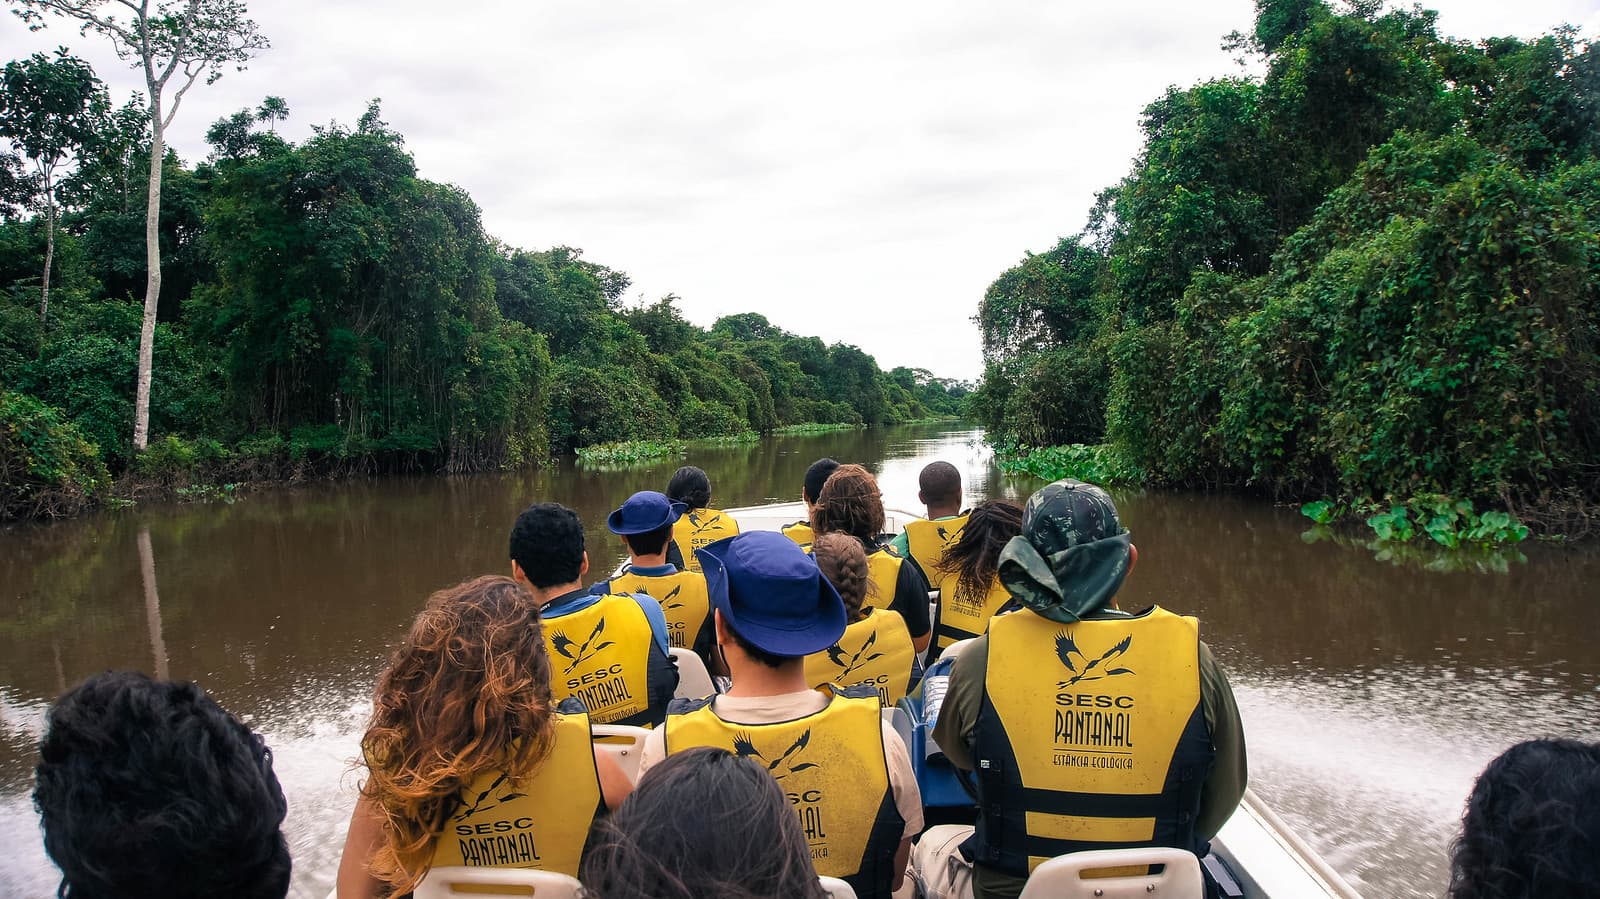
x=1371 y=276
x=327 y=311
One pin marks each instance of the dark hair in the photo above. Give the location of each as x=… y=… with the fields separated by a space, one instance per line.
x=547 y=544
x=149 y=788
x=1532 y=826
x=816 y=476
x=648 y=543
x=702 y=823
x=469 y=690
x=850 y=502
x=975 y=558
x=690 y=486
x=940 y=484
x=843 y=562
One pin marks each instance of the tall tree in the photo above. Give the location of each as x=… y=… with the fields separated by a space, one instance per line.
x=185 y=38
x=51 y=110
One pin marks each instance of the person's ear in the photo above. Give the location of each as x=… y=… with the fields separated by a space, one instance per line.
x=517 y=574
x=584 y=568
x=920 y=499
x=1133 y=557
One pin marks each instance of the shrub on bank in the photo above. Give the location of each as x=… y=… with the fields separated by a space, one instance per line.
x=47 y=468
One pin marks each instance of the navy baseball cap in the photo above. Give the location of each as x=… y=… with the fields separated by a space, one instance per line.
x=644 y=511
x=772 y=593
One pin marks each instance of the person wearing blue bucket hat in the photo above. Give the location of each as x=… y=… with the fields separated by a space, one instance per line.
x=846 y=772
x=644 y=522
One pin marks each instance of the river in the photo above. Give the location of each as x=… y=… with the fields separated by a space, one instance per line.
x=1372 y=693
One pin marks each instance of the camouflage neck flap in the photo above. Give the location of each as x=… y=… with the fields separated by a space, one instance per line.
x=1072 y=555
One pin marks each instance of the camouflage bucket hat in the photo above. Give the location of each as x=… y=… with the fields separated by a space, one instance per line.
x=1072 y=555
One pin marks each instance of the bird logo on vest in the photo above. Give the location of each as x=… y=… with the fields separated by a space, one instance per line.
x=702 y=525
x=467 y=811
x=563 y=645
x=861 y=656
x=784 y=765
x=666 y=601
x=1093 y=669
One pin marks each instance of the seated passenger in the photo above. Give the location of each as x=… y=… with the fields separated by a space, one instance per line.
x=876 y=649
x=847 y=773
x=700 y=525
x=970 y=592
x=645 y=525
x=850 y=503
x=704 y=824
x=816 y=476
x=144 y=786
x=1045 y=708
x=608 y=650
x=468 y=760
x=925 y=540
x=1532 y=826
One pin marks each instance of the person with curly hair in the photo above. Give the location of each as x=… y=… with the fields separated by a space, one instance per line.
x=468 y=760
x=700 y=524
x=1532 y=826
x=703 y=824
x=970 y=592
x=850 y=503
x=148 y=788
x=876 y=648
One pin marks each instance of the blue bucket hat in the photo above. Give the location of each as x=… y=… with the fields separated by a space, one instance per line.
x=772 y=593
x=644 y=512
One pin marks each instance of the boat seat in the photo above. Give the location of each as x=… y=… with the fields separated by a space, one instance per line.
x=452 y=882
x=837 y=889
x=900 y=720
x=955 y=648
x=694 y=681
x=1062 y=877
x=624 y=743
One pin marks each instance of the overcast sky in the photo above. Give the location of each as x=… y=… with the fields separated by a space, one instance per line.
x=859 y=171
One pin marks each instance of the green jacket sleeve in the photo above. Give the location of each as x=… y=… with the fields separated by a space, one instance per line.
x=958 y=716
x=1230 y=774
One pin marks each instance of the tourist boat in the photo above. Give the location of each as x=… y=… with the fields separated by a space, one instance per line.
x=1255 y=856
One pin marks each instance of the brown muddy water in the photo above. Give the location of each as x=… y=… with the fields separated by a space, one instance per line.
x=1372 y=692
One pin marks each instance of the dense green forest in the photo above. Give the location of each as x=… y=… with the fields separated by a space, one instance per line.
x=325 y=310
x=1371 y=274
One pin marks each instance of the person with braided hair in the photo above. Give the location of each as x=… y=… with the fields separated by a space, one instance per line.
x=469 y=761
x=876 y=648
x=850 y=503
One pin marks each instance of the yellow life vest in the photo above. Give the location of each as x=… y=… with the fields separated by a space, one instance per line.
x=698 y=527
x=601 y=655
x=831 y=765
x=1090 y=736
x=961 y=618
x=539 y=820
x=883 y=574
x=683 y=599
x=800 y=532
x=928 y=540
x=875 y=651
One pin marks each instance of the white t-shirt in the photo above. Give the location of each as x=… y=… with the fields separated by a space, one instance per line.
x=789 y=706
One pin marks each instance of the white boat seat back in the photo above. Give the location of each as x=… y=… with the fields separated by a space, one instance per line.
x=1062 y=877
x=955 y=648
x=900 y=720
x=694 y=681
x=454 y=882
x=836 y=888
x=624 y=743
